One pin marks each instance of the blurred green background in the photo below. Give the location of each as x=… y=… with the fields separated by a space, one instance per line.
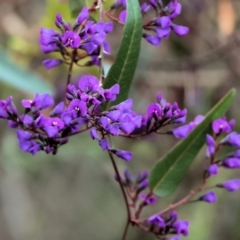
x=73 y=195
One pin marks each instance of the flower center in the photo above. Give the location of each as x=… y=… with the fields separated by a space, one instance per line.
x=54 y=123
x=70 y=40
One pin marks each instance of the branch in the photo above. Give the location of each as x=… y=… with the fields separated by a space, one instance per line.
x=101 y=18
x=124 y=194
x=70 y=72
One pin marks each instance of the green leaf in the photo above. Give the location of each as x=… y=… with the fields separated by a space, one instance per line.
x=20 y=78
x=170 y=170
x=123 y=69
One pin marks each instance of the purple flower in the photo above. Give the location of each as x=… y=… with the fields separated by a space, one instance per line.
x=221 y=125
x=163 y=22
x=237 y=154
x=181 y=227
x=7 y=108
x=52 y=126
x=212 y=170
x=52 y=47
x=104 y=121
x=230 y=185
x=48 y=36
x=93 y=133
x=128 y=176
x=127 y=124
x=12 y=124
x=142 y=176
x=59 y=22
x=3 y=112
x=88 y=83
x=111 y=93
x=24 y=135
x=89 y=47
x=30 y=146
x=114 y=115
x=173 y=217
x=58 y=110
x=154 y=110
x=40 y=102
x=142 y=185
x=98 y=38
x=145 y=8
x=174 y=9
x=83 y=15
x=125 y=155
x=71 y=39
x=163 y=32
x=104 y=144
x=113 y=129
x=231 y=163
x=179 y=116
x=154 y=40
x=78 y=108
x=25 y=142
x=210 y=145
x=156 y=220
x=209 y=197
x=180 y=30
x=26 y=119
x=51 y=63
x=106 y=48
x=108 y=27
x=182 y=132
x=148 y=200
x=197 y=120
x=232 y=139
x=124 y=106
x=123 y=16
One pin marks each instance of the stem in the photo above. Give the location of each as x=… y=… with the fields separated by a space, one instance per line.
x=181 y=202
x=141 y=206
x=120 y=183
x=124 y=195
x=101 y=18
x=113 y=18
x=125 y=231
x=70 y=73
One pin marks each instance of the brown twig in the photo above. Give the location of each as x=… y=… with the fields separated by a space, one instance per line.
x=124 y=194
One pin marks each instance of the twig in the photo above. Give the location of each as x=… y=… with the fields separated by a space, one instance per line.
x=70 y=73
x=101 y=18
x=123 y=192
x=126 y=230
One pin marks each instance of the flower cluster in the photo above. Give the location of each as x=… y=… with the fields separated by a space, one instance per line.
x=135 y=186
x=162 y=24
x=215 y=141
x=87 y=107
x=166 y=225
x=170 y=225
x=84 y=112
x=82 y=35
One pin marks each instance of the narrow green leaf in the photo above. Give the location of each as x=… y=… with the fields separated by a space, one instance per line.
x=20 y=78
x=170 y=170
x=123 y=69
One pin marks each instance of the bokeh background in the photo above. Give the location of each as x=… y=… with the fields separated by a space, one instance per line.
x=73 y=195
